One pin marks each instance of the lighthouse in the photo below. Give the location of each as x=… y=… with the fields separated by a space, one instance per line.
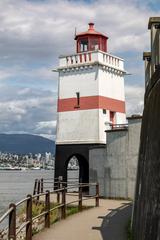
x=90 y=99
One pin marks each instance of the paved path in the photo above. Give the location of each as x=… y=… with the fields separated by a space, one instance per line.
x=107 y=222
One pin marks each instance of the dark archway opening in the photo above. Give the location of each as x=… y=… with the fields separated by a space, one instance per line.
x=77 y=170
x=73 y=173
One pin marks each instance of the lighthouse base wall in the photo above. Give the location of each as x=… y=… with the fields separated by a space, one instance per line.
x=65 y=152
x=115 y=166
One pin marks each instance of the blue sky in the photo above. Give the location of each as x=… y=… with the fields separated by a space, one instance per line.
x=33 y=33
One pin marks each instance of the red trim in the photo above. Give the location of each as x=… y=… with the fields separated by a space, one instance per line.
x=92 y=102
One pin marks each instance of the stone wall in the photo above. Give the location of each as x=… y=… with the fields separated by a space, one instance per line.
x=114 y=167
x=146 y=220
x=146 y=215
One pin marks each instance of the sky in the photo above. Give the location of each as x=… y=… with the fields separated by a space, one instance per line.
x=33 y=33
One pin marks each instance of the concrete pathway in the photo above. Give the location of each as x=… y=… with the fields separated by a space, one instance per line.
x=107 y=222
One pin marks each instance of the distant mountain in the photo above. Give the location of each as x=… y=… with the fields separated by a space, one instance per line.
x=25 y=143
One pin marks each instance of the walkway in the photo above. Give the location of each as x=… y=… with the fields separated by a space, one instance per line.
x=107 y=222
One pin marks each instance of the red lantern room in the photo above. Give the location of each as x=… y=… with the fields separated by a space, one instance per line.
x=91 y=40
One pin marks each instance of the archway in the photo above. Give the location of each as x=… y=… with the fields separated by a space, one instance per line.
x=78 y=163
x=73 y=172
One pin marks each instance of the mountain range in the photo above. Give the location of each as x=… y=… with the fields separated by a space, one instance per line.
x=25 y=143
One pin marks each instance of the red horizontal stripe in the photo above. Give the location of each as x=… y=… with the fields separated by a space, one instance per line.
x=92 y=102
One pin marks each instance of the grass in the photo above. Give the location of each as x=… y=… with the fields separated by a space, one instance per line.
x=129 y=231
x=38 y=207
x=74 y=209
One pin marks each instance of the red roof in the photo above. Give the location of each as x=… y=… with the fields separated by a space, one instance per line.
x=91 y=31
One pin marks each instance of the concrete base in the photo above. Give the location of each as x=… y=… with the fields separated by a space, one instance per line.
x=65 y=152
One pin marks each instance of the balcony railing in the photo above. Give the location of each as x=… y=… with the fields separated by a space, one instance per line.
x=92 y=57
x=118 y=126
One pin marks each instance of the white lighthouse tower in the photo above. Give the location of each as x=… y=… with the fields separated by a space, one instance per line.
x=90 y=98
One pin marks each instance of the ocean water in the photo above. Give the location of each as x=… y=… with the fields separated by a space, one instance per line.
x=15 y=185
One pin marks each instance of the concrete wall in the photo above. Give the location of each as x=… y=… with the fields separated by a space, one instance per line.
x=146 y=215
x=97 y=157
x=115 y=166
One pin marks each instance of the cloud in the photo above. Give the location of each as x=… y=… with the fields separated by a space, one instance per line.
x=34 y=33
x=134 y=99
x=49 y=124
x=30 y=112
x=42 y=30
x=46 y=129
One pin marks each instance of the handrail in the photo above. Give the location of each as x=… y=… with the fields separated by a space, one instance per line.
x=58 y=206
x=14 y=230
x=118 y=126
x=39 y=195
x=6 y=214
x=21 y=201
x=21 y=227
x=39 y=215
x=72 y=202
x=72 y=194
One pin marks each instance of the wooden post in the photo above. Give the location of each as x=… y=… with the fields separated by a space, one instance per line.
x=38 y=189
x=47 y=209
x=12 y=223
x=63 y=208
x=80 y=198
x=35 y=186
x=29 y=218
x=97 y=195
x=58 y=193
x=41 y=185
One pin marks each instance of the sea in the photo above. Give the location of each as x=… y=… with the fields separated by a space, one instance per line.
x=15 y=185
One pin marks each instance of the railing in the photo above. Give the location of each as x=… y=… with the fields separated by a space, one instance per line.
x=43 y=184
x=14 y=228
x=90 y=57
x=118 y=126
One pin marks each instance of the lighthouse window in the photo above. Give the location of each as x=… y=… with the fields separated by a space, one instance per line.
x=94 y=44
x=78 y=98
x=104 y=111
x=84 y=45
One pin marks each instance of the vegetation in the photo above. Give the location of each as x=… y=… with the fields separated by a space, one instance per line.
x=38 y=207
x=129 y=231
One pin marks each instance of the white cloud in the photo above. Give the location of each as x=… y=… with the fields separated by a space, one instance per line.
x=46 y=124
x=23 y=91
x=4 y=74
x=44 y=29
x=28 y=110
x=34 y=33
x=134 y=99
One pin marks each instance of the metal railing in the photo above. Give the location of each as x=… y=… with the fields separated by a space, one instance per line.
x=118 y=126
x=61 y=205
